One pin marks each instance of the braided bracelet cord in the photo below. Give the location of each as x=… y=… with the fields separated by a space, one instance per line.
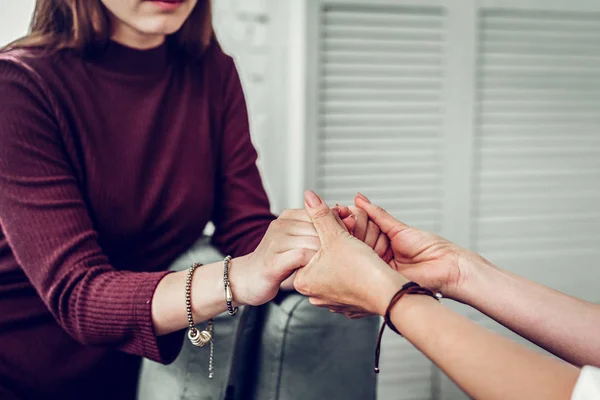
x=408 y=288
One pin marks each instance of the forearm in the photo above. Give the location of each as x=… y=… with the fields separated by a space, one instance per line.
x=208 y=296
x=482 y=363
x=565 y=326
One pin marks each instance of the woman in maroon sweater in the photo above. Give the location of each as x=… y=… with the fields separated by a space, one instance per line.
x=123 y=131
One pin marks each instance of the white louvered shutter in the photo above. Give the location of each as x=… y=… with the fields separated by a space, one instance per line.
x=536 y=191
x=379 y=131
x=478 y=119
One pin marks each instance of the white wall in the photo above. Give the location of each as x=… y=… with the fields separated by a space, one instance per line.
x=14 y=19
x=255 y=33
x=267 y=38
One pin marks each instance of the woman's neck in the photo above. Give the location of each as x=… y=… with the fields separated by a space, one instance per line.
x=130 y=37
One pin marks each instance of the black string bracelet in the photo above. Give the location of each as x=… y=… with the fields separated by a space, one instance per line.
x=408 y=288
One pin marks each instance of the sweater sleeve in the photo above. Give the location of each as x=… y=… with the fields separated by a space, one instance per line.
x=242 y=212
x=49 y=229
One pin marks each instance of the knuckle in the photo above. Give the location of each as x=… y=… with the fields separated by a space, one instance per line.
x=273 y=225
x=321 y=213
x=277 y=225
x=302 y=215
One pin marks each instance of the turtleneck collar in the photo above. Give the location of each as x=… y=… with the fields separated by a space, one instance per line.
x=127 y=60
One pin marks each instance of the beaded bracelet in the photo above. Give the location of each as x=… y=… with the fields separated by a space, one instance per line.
x=228 y=294
x=197 y=337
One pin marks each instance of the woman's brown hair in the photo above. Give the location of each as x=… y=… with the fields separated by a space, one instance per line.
x=84 y=24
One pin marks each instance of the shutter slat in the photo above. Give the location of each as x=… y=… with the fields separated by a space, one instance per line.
x=538 y=145
x=351 y=57
x=380 y=124
x=378 y=46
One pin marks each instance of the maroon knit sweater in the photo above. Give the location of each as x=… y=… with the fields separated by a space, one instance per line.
x=111 y=165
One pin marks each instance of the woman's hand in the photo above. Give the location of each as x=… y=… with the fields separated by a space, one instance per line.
x=290 y=242
x=423 y=257
x=361 y=227
x=345 y=275
x=350 y=221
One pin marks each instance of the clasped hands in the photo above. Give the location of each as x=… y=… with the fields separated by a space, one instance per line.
x=352 y=260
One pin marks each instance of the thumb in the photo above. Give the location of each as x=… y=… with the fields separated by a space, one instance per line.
x=385 y=221
x=325 y=222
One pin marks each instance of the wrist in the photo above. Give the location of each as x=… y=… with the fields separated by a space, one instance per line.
x=389 y=284
x=237 y=280
x=475 y=271
x=410 y=308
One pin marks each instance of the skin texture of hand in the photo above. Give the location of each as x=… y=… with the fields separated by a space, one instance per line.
x=290 y=242
x=358 y=225
x=345 y=275
x=350 y=221
x=361 y=227
x=423 y=257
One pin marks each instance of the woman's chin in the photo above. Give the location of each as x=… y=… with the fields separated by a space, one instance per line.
x=160 y=25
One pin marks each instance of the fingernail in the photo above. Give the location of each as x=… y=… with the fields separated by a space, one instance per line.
x=363 y=197
x=312 y=199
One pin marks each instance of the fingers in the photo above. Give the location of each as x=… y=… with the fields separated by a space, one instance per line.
x=302 y=216
x=382 y=245
x=336 y=214
x=385 y=221
x=362 y=219
x=324 y=220
x=288 y=284
x=344 y=211
x=357 y=315
x=366 y=230
x=372 y=234
x=350 y=224
x=295 y=214
x=388 y=255
x=348 y=312
x=291 y=260
x=297 y=242
x=293 y=227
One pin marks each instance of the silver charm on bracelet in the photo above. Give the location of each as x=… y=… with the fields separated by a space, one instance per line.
x=197 y=337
